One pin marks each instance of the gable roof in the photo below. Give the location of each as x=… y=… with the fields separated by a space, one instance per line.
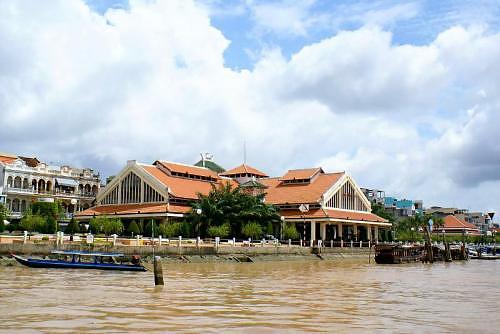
x=244 y=169
x=7 y=158
x=183 y=187
x=301 y=174
x=174 y=167
x=128 y=209
x=279 y=193
x=30 y=161
x=453 y=222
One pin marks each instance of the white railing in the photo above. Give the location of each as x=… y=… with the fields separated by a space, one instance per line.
x=19 y=190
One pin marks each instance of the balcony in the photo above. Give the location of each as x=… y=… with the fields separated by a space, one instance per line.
x=20 y=191
x=56 y=193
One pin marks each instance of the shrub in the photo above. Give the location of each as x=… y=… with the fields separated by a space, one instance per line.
x=51 y=225
x=290 y=231
x=72 y=227
x=185 y=229
x=112 y=226
x=219 y=231
x=252 y=230
x=133 y=228
x=33 y=223
x=170 y=230
x=151 y=225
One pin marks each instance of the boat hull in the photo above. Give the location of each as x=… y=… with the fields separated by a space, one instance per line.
x=35 y=263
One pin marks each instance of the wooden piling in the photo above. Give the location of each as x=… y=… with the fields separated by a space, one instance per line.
x=158 y=271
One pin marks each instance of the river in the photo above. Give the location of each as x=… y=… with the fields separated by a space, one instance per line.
x=266 y=297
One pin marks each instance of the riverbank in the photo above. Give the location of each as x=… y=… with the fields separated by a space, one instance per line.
x=202 y=254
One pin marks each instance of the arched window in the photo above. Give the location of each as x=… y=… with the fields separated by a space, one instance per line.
x=17 y=182
x=87 y=189
x=9 y=204
x=23 y=205
x=34 y=184
x=80 y=189
x=49 y=186
x=15 y=205
x=10 y=181
x=26 y=183
x=94 y=190
x=41 y=185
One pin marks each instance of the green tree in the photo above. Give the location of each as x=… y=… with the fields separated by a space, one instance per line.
x=290 y=231
x=252 y=230
x=4 y=213
x=151 y=225
x=170 y=230
x=221 y=231
x=96 y=225
x=32 y=223
x=72 y=227
x=133 y=229
x=380 y=211
x=227 y=205
x=51 y=225
x=112 y=226
x=47 y=209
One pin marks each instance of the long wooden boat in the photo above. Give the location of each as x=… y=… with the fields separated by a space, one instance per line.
x=82 y=260
x=391 y=254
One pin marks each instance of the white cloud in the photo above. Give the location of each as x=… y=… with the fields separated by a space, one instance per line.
x=149 y=82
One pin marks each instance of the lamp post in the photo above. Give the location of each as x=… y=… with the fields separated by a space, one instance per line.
x=413 y=234
x=281 y=227
x=198 y=212
x=442 y=231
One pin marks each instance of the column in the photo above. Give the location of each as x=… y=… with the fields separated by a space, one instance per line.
x=340 y=231
x=376 y=234
x=313 y=232
x=322 y=231
x=369 y=232
x=355 y=231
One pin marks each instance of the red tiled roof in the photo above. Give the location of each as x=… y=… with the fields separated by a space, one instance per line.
x=244 y=169
x=124 y=209
x=334 y=214
x=279 y=193
x=301 y=174
x=187 y=169
x=452 y=222
x=7 y=158
x=183 y=187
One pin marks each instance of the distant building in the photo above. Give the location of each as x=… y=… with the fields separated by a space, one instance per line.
x=480 y=220
x=403 y=208
x=24 y=180
x=456 y=226
x=374 y=195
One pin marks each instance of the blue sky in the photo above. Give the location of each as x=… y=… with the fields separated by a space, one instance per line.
x=411 y=22
x=403 y=95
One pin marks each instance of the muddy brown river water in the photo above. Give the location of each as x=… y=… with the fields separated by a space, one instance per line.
x=267 y=297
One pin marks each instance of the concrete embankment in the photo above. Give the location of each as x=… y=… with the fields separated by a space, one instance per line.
x=206 y=253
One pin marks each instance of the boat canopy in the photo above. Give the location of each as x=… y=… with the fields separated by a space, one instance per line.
x=83 y=253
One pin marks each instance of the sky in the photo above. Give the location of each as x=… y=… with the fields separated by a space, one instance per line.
x=403 y=95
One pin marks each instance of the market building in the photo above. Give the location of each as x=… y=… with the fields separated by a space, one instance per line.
x=158 y=191
x=323 y=206
x=24 y=180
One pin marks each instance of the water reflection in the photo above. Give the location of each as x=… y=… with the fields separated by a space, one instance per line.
x=255 y=297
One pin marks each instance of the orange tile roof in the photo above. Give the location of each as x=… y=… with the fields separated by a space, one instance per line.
x=279 y=193
x=183 y=187
x=244 y=169
x=7 y=158
x=301 y=174
x=334 y=214
x=452 y=222
x=124 y=209
x=182 y=168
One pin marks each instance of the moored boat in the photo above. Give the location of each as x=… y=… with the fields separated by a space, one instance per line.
x=83 y=260
x=391 y=254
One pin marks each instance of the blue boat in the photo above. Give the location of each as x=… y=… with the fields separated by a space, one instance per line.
x=84 y=260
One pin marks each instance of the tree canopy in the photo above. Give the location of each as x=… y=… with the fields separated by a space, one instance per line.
x=225 y=205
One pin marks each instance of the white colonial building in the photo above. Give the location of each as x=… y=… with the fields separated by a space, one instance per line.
x=24 y=180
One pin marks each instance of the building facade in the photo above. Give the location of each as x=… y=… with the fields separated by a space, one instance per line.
x=482 y=221
x=24 y=180
x=323 y=206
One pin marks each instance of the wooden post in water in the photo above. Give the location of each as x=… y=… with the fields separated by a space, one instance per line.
x=158 y=271
x=447 y=252
x=157 y=268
